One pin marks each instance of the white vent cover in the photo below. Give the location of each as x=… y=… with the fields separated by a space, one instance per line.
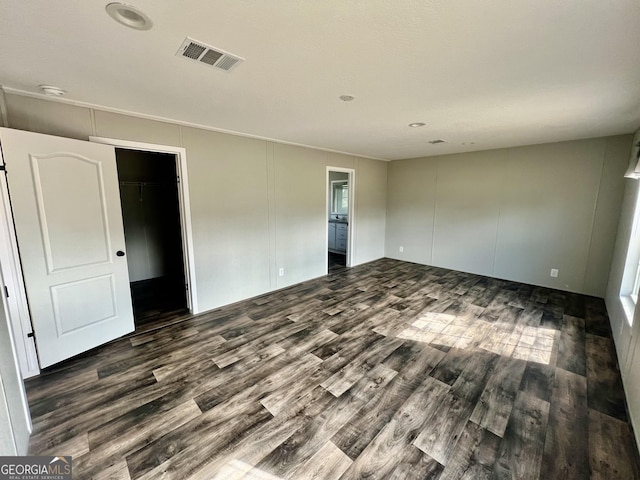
x=202 y=53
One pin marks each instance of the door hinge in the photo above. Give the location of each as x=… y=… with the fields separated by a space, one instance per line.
x=6 y=291
x=178 y=178
x=30 y=335
x=3 y=168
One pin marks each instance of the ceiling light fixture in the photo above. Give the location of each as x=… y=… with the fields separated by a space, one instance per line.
x=52 y=91
x=346 y=98
x=417 y=124
x=129 y=16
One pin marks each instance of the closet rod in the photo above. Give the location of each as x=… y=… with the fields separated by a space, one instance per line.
x=145 y=184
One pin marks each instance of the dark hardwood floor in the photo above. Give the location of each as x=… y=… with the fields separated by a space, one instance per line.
x=389 y=370
x=337 y=262
x=158 y=302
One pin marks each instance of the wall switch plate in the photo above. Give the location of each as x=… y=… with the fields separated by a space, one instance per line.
x=554 y=272
x=401 y=249
x=281 y=272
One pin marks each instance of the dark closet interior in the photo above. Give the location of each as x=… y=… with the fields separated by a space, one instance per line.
x=151 y=215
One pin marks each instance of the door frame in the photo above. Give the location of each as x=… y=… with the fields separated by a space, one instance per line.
x=183 y=205
x=351 y=181
x=17 y=306
x=15 y=416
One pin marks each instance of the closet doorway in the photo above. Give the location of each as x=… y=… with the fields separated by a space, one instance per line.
x=149 y=197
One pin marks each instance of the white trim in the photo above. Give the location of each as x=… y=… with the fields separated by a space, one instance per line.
x=631 y=265
x=27 y=365
x=17 y=305
x=4 y=116
x=633 y=171
x=104 y=108
x=20 y=449
x=352 y=218
x=185 y=206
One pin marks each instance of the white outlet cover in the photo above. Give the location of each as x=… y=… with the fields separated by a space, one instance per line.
x=554 y=272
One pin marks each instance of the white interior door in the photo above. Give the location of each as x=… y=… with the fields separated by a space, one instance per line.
x=66 y=208
x=15 y=423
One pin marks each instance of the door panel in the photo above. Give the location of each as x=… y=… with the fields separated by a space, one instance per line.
x=70 y=211
x=66 y=206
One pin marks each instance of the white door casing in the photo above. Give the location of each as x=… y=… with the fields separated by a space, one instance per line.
x=66 y=208
x=352 y=208
x=15 y=421
x=183 y=204
x=15 y=293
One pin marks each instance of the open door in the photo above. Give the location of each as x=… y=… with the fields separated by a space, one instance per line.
x=15 y=422
x=66 y=208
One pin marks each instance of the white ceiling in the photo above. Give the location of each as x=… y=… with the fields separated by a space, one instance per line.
x=497 y=73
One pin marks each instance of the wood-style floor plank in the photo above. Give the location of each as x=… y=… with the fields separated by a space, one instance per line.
x=390 y=370
x=612 y=451
x=474 y=455
x=566 y=449
x=494 y=407
x=411 y=363
x=328 y=463
x=571 y=353
x=604 y=385
x=522 y=447
x=439 y=437
x=394 y=441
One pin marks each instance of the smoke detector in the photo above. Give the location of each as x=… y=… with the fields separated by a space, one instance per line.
x=202 y=53
x=52 y=91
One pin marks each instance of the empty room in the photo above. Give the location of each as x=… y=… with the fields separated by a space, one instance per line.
x=320 y=240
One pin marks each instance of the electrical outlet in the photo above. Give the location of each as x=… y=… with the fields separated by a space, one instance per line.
x=554 y=272
x=281 y=272
x=401 y=249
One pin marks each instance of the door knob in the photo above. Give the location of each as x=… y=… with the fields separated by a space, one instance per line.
x=120 y=253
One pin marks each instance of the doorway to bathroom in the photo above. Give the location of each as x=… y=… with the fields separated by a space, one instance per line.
x=339 y=218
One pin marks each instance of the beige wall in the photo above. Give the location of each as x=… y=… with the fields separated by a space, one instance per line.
x=256 y=206
x=370 y=199
x=229 y=215
x=513 y=213
x=299 y=217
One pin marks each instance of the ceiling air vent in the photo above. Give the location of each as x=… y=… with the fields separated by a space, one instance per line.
x=202 y=53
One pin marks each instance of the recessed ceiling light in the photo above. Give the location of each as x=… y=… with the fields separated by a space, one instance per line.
x=416 y=124
x=129 y=16
x=52 y=91
x=435 y=142
x=346 y=98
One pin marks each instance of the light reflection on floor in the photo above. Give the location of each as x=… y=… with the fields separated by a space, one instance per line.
x=532 y=344
x=237 y=469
